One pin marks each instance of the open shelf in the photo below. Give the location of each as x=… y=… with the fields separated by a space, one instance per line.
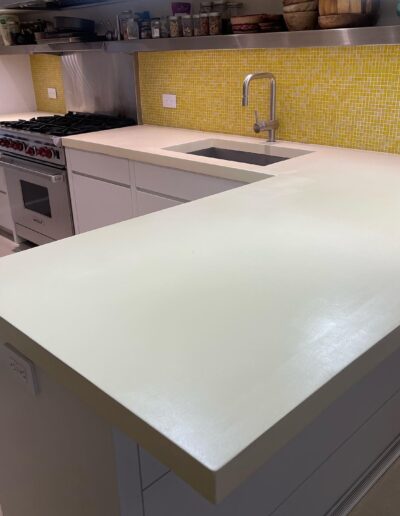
x=382 y=35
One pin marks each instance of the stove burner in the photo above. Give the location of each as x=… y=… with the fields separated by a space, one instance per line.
x=70 y=124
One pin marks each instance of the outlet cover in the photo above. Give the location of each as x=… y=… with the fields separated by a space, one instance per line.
x=52 y=93
x=169 y=101
x=22 y=369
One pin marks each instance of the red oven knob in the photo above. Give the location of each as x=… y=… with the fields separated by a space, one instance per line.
x=19 y=146
x=31 y=151
x=45 y=152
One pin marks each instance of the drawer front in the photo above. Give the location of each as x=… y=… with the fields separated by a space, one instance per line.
x=100 y=166
x=151 y=469
x=148 y=203
x=99 y=203
x=179 y=184
x=3 y=186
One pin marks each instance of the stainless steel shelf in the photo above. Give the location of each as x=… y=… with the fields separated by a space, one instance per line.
x=385 y=35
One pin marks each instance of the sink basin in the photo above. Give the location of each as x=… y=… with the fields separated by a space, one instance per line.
x=261 y=154
x=240 y=156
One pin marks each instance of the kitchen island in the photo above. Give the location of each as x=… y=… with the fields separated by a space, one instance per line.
x=216 y=333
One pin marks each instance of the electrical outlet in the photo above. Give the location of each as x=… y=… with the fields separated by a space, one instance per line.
x=169 y=101
x=52 y=93
x=22 y=369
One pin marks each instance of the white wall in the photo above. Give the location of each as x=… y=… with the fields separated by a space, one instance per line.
x=16 y=87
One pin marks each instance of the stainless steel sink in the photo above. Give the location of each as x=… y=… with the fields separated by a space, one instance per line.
x=260 y=154
x=240 y=156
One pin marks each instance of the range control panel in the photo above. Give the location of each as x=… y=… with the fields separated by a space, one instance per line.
x=35 y=150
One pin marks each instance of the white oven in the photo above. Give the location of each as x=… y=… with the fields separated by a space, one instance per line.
x=39 y=199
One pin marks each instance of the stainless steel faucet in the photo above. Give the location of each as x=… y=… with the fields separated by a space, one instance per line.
x=272 y=125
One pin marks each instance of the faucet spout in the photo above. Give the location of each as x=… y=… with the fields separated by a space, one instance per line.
x=272 y=124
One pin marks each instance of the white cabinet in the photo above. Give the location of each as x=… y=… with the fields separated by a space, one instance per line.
x=99 y=203
x=106 y=190
x=149 y=202
x=179 y=184
x=6 y=220
x=100 y=189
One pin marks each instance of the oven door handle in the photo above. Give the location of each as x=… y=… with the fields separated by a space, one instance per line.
x=34 y=171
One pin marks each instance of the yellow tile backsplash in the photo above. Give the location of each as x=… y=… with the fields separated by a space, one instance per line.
x=47 y=73
x=343 y=96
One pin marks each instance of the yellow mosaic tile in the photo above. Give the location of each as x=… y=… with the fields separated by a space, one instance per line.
x=47 y=73
x=343 y=96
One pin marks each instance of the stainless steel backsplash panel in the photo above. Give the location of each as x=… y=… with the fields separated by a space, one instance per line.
x=98 y=82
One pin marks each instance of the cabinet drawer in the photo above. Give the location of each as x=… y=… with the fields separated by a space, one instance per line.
x=147 y=202
x=179 y=184
x=99 y=203
x=151 y=469
x=3 y=186
x=99 y=166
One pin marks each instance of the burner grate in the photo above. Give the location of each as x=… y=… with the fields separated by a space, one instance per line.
x=70 y=124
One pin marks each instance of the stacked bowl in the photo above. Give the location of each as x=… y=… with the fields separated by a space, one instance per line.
x=300 y=15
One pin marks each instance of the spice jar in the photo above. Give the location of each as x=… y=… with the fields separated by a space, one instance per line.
x=215 y=23
x=206 y=7
x=155 y=28
x=164 y=30
x=145 y=29
x=187 y=25
x=196 y=25
x=174 y=27
x=204 y=25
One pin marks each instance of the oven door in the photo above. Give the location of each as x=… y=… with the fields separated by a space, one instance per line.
x=39 y=198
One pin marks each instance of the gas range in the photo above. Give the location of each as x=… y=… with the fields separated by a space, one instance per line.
x=39 y=139
x=33 y=159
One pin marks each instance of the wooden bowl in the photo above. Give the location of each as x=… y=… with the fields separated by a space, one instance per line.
x=307 y=20
x=344 y=21
x=289 y=2
x=301 y=7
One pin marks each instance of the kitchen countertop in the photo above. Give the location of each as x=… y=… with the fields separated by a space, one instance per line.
x=216 y=331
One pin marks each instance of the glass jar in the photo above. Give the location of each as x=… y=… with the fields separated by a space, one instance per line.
x=187 y=25
x=196 y=25
x=155 y=28
x=174 y=27
x=215 y=24
x=206 y=7
x=164 y=31
x=132 y=28
x=145 y=29
x=204 y=24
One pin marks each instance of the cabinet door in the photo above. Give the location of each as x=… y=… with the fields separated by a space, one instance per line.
x=149 y=202
x=99 y=203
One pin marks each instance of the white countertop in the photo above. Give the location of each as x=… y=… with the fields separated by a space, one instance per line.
x=215 y=331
